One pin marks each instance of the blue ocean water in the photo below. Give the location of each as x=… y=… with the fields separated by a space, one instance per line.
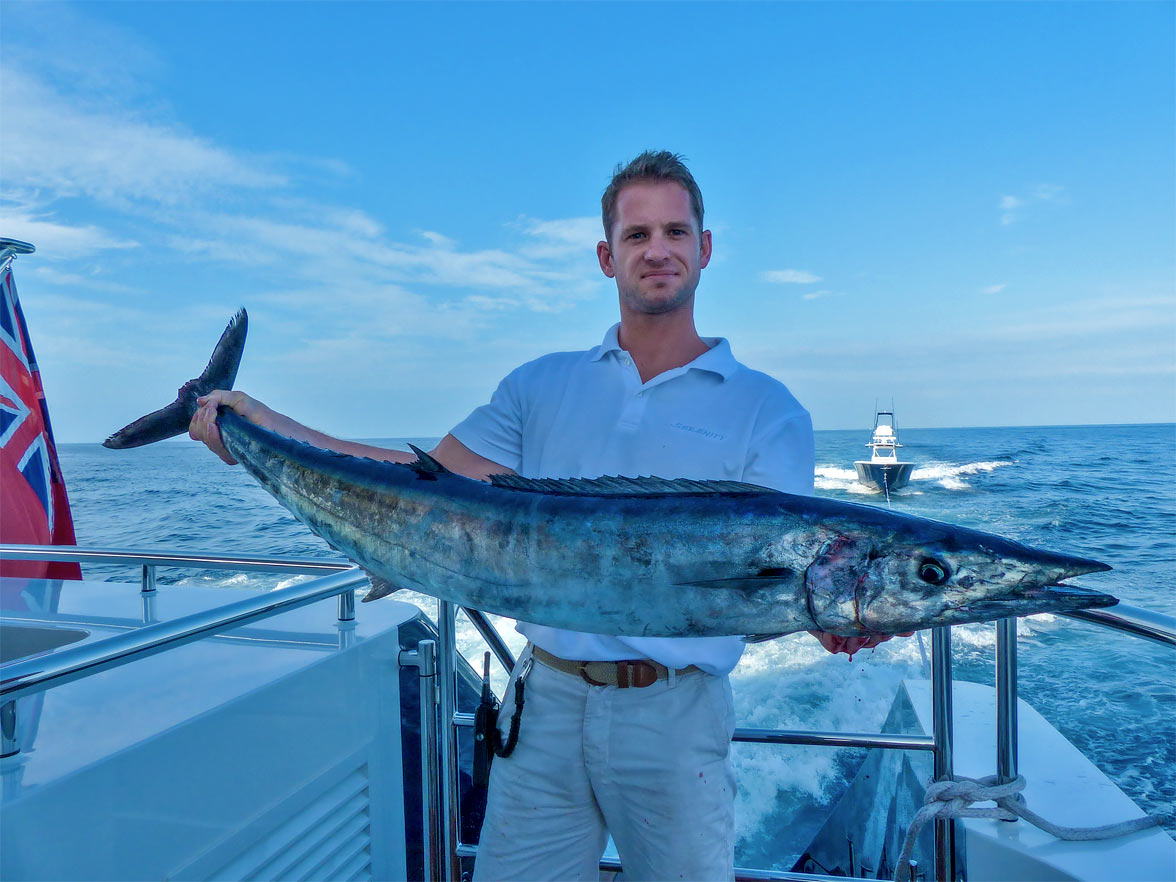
x=1107 y=492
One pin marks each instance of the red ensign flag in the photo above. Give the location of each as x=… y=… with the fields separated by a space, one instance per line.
x=34 y=509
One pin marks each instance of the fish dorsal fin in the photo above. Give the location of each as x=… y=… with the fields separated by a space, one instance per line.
x=425 y=465
x=618 y=486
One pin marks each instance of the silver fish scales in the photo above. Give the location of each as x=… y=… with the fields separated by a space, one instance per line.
x=634 y=556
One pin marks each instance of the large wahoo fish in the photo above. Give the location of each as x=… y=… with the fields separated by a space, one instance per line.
x=633 y=556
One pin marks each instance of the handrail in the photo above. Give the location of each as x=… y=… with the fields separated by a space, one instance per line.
x=1133 y=620
x=492 y=637
x=814 y=738
x=27 y=676
x=742 y=874
x=806 y=737
x=755 y=874
x=252 y=563
x=18 y=679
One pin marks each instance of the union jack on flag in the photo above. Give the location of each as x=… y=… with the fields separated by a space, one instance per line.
x=34 y=508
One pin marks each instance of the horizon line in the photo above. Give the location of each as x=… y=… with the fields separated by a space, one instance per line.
x=182 y=440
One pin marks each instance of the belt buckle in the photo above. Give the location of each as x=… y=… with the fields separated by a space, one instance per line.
x=638 y=674
x=588 y=678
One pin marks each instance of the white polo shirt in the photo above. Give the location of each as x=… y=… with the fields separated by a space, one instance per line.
x=587 y=414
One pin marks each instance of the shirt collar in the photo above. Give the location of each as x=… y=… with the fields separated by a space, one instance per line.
x=717 y=360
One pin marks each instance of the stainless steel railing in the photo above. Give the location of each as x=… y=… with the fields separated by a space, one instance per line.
x=443 y=860
x=28 y=676
x=1133 y=620
x=948 y=864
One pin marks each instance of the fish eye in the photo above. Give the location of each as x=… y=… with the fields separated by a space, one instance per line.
x=933 y=571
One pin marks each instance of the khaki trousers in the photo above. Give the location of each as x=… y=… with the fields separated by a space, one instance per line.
x=650 y=766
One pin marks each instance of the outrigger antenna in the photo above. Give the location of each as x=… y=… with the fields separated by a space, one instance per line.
x=10 y=248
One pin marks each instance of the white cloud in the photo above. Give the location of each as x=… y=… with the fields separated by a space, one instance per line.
x=81 y=53
x=96 y=148
x=561 y=238
x=1012 y=207
x=54 y=277
x=1092 y=318
x=789 y=276
x=438 y=240
x=993 y=289
x=56 y=241
x=814 y=295
x=329 y=277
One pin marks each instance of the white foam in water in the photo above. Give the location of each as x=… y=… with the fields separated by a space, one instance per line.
x=951 y=476
x=218 y=579
x=290 y=580
x=829 y=477
x=793 y=683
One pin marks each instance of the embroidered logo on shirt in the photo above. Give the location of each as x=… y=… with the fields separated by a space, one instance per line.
x=705 y=433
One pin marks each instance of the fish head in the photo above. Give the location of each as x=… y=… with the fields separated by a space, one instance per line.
x=919 y=574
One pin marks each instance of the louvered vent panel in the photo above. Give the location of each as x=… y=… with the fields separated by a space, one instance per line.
x=327 y=840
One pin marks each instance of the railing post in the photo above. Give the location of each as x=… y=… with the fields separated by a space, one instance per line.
x=447 y=687
x=941 y=723
x=1006 y=700
x=9 y=745
x=347 y=606
x=148 y=593
x=424 y=659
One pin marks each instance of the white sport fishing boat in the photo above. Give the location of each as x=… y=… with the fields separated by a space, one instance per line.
x=883 y=470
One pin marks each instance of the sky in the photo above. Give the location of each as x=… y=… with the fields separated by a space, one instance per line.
x=968 y=209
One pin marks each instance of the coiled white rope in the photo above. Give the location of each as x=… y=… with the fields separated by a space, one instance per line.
x=953 y=799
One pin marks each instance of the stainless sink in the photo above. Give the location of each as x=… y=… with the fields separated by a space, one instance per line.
x=21 y=641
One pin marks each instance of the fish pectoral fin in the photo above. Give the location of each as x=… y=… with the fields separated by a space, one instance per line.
x=763 y=638
x=764 y=579
x=380 y=588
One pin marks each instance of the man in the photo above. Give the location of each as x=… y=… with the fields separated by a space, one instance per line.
x=623 y=735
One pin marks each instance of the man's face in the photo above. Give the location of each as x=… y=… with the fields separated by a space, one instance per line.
x=657 y=251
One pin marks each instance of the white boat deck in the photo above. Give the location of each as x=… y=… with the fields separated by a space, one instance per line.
x=1055 y=771
x=209 y=760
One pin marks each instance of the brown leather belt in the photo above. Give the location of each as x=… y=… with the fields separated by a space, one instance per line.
x=637 y=673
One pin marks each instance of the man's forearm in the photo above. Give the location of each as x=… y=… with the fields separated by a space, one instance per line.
x=450 y=452
x=291 y=428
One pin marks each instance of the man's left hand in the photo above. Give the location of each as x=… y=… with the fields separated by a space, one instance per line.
x=835 y=643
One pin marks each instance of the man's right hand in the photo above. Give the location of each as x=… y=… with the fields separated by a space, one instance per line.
x=203 y=426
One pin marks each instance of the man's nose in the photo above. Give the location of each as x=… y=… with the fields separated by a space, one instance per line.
x=656 y=251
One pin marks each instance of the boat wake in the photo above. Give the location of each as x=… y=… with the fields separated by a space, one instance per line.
x=952 y=477
x=829 y=477
x=947 y=475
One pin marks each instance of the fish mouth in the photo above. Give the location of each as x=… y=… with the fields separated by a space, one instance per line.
x=1081 y=566
x=1058 y=598
x=1067 y=597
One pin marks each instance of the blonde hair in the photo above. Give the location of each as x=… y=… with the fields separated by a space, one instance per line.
x=652 y=165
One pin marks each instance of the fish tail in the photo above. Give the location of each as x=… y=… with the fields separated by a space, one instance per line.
x=167 y=422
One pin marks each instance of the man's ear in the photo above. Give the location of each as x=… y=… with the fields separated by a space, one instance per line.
x=704 y=251
x=604 y=255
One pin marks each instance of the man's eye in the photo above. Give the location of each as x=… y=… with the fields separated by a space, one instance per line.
x=677 y=232
x=636 y=235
